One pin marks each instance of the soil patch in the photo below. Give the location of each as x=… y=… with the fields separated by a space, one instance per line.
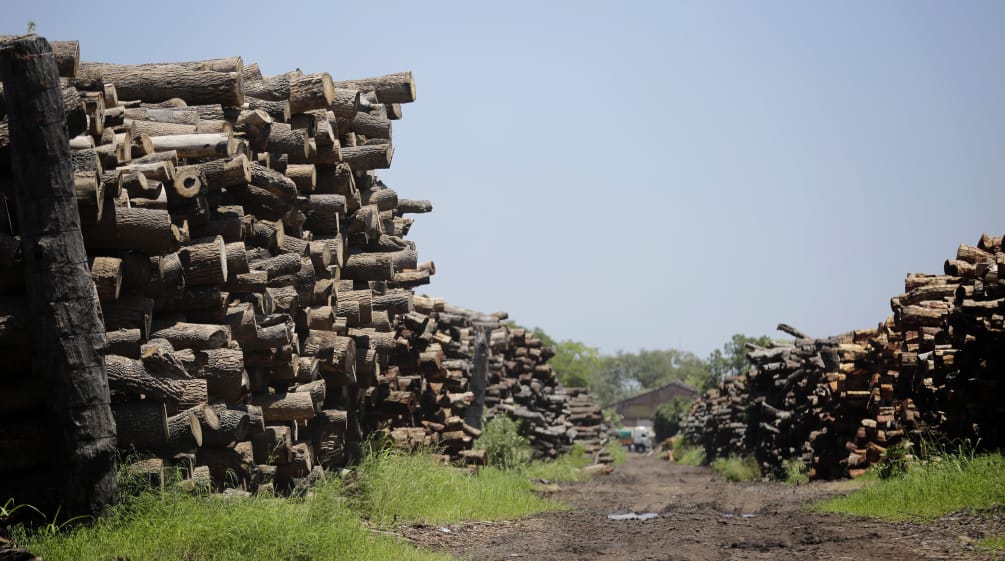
x=703 y=517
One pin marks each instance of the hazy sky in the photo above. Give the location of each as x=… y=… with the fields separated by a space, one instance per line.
x=647 y=174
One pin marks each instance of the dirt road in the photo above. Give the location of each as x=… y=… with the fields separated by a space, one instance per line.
x=702 y=517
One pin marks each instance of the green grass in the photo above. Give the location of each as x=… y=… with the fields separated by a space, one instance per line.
x=994 y=542
x=617 y=452
x=565 y=468
x=393 y=487
x=735 y=468
x=688 y=454
x=176 y=526
x=930 y=490
x=796 y=472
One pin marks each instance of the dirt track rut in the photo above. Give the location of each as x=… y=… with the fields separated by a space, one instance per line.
x=702 y=517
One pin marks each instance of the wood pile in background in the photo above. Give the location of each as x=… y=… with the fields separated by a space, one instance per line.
x=836 y=405
x=255 y=282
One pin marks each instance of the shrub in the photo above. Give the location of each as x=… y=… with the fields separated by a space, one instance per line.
x=502 y=441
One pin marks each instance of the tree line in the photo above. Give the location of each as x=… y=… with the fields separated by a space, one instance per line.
x=614 y=377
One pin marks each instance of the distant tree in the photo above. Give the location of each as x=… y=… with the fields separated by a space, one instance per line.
x=626 y=374
x=731 y=360
x=669 y=417
x=574 y=362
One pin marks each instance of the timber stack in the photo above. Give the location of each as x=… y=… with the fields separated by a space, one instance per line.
x=249 y=264
x=255 y=281
x=836 y=405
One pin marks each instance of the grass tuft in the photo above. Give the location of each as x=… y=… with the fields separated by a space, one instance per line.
x=617 y=452
x=994 y=542
x=929 y=490
x=686 y=453
x=735 y=468
x=565 y=468
x=796 y=472
x=170 y=526
x=392 y=487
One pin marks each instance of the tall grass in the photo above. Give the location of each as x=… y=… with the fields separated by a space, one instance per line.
x=617 y=452
x=736 y=468
x=930 y=490
x=687 y=453
x=565 y=468
x=175 y=526
x=392 y=487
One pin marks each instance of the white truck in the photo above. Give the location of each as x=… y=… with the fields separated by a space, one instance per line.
x=638 y=438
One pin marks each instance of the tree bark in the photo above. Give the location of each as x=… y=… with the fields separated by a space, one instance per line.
x=67 y=334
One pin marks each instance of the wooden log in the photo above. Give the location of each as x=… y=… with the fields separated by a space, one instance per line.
x=408 y=206
x=233 y=424
x=142 y=425
x=304 y=176
x=278 y=110
x=313 y=91
x=279 y=265
x=204 y=263
x=146 y=230
x=223 y=370
x=193 y=82
x=369 y=157
x=369 y=266
x=371 y=125
x=180 y=116
x=392 y=88
x=202 y=145
x=323 y=212
x=228 y=466
x=194 y=335
x=291 y=406
x=273 y=182
x=273 y=445
x=345 y=102
x=284 y=139
x=132 y=377
x=274 y=88
x=107 y=275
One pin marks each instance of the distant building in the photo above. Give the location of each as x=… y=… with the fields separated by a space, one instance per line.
x=641 y=408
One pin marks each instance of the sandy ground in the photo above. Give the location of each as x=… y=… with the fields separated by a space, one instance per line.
x=702 y=517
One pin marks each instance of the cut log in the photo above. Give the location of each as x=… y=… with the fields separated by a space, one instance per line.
x=204 y=263
x=392 y=88
x=291 y=406
x=192 y=82
x=194 y=335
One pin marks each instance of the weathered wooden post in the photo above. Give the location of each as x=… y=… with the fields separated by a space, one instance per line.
x=66 y=329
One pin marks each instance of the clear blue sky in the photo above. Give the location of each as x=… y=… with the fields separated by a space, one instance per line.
x=658 y=174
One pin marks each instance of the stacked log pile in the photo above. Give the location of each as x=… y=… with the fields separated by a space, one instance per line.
x=525 y=388
x=838 y=404
x=255 y=283
x=249 y=264
x=949 y=342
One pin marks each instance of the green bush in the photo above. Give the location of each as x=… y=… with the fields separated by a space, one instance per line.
x=506 y=448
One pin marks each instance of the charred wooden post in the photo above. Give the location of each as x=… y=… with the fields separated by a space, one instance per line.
x=68 y=334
